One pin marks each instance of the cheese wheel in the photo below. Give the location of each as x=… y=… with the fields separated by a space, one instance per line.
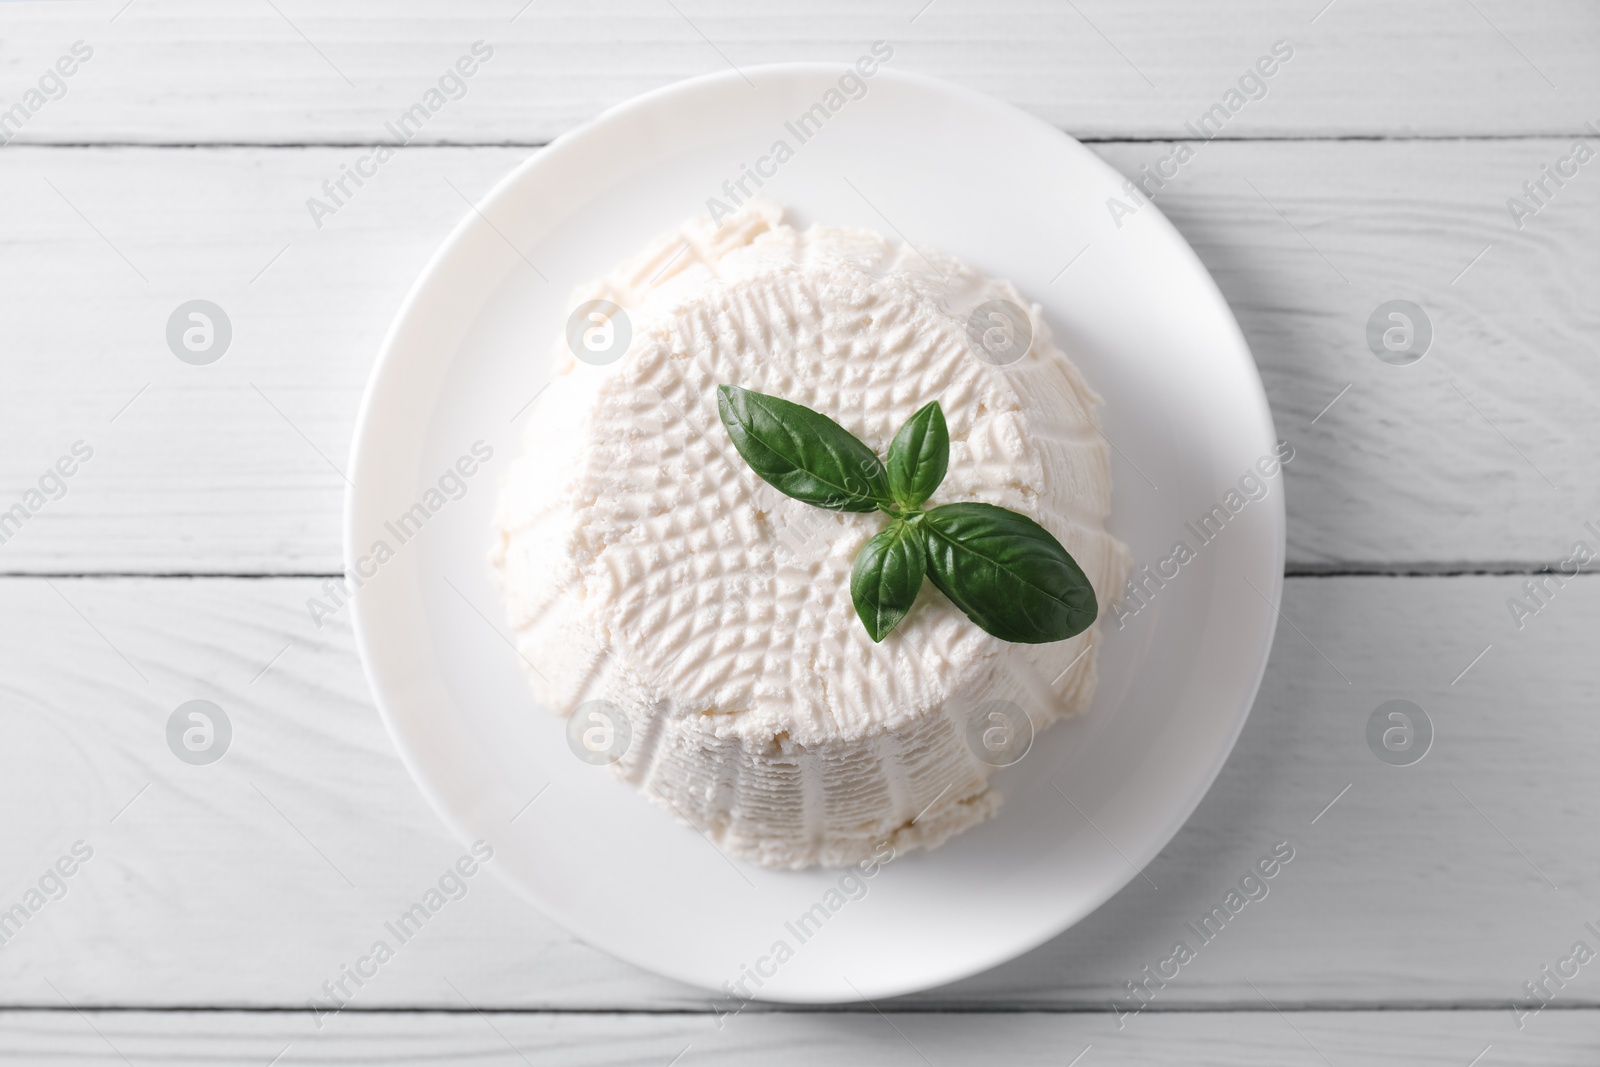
x=649 y=573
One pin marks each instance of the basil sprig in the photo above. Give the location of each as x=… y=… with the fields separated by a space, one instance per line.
x=1007 y=573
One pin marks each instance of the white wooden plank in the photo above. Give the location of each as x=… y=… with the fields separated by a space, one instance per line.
x=230 y=468
x=1451 y=882
x=1477 y=454
x=186 y=71
x=1216 y=1039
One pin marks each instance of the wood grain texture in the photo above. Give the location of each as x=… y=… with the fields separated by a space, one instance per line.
x=249 y=882
x=1234 y=1039
x=186 y=71
x=1478 y=456
x=246 y=884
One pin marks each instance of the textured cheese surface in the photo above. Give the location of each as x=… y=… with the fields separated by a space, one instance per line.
x=644 y=564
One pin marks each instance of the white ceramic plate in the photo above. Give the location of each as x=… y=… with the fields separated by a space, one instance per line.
x=944 y=168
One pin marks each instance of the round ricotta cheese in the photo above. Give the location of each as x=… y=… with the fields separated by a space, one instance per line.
x=644 y=565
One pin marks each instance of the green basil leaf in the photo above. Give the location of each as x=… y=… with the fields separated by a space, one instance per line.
x=887 y=576
x=919 y=455
x=1011 y=577
x=802 y=453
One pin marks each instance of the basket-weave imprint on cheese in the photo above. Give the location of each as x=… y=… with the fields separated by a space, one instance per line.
x=642 y=562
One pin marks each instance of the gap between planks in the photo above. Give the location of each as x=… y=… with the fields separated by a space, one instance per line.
x=1311 y=570
x=1241 y=1007
x=1235 y=139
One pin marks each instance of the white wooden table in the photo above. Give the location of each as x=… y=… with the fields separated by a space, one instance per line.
x=176 y=566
